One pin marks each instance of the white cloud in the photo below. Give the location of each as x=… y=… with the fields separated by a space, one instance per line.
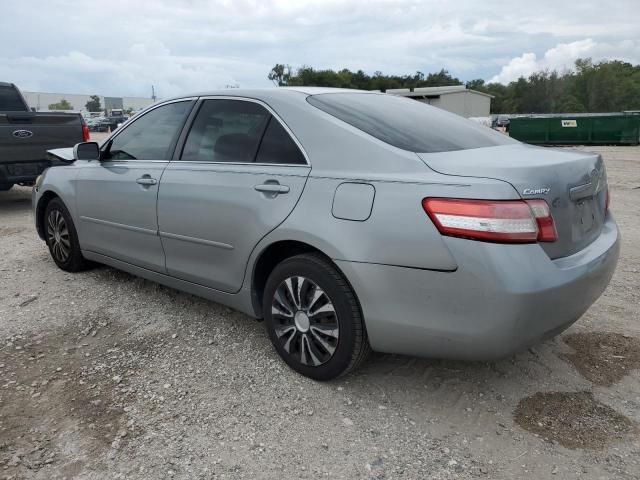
x=562 y=57
x=185 y=45
x=133 y=73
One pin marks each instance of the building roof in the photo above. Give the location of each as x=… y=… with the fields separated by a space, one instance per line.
x=433 y=91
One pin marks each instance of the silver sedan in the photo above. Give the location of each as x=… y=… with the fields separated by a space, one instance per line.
x=347 y=220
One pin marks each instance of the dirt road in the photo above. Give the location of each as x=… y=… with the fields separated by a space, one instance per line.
x=104 y=375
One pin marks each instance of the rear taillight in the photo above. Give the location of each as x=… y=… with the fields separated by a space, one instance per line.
x=546 y=227
x=506 y=221
x=607 y=201
x=85 y=132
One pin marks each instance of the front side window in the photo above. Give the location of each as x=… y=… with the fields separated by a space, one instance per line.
x=226 y=131
x=151 y=136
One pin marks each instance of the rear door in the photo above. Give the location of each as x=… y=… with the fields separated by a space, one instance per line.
x=116 y=197
x=239 y=175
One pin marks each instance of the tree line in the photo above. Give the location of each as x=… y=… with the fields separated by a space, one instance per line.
x=93 y=105
x=606 y=86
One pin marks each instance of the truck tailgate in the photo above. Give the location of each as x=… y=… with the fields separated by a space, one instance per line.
x=26 y=136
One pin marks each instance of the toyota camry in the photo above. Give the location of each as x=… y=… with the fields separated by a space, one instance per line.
x=349 y=221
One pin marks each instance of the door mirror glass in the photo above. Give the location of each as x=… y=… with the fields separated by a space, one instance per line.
x=86 y=151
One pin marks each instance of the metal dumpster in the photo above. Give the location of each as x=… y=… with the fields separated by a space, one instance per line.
x=580 y=129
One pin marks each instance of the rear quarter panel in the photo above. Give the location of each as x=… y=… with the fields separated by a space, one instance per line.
x=398 y=231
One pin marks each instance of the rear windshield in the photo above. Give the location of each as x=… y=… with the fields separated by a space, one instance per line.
x=10 y=101
x=406 y=123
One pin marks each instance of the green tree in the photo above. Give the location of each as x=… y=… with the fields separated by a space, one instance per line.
x=306 y=75
x=280 y=74
x=570 y=104
x=93 y=105
x=477 y=84
x=607 y=86
x=61 y=105
x=440 y=79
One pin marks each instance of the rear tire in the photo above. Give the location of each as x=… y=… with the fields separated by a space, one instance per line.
x=313 y=318
x=62 y=238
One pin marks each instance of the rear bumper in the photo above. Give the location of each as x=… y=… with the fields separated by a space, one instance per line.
x=501 y=299
x=22 y=172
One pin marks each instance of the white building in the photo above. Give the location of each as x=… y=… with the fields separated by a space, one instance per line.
x=41 y=101
x=455 y=98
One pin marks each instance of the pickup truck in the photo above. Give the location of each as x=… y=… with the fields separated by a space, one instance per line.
x=114 y=120
x=25 y=137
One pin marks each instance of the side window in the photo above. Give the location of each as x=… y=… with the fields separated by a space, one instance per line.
x=226 y=131
x=278 y=147
x=151 y=136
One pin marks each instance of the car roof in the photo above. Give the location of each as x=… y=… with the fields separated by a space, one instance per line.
x=272 y=92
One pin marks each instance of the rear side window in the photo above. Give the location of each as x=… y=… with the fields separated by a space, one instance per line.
x=10 y=100
x=406 y=123
x=239 y=131
x=226 y=131
x=278 y=147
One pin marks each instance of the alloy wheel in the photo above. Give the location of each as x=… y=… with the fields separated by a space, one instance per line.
x=58 y=236
x=305 y=321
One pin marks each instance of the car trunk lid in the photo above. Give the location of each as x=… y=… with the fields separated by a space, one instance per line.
x=573 y=184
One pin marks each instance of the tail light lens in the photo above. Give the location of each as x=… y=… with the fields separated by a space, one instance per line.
x=85 y=132
x=542 y=214
x=607 y=201
x=505 y=221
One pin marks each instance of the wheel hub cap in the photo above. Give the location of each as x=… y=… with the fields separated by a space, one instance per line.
x=302 y=321
x=305 y=321
x=58 y=236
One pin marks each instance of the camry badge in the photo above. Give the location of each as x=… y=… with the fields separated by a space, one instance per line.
x=536 y=191
x=22 y=133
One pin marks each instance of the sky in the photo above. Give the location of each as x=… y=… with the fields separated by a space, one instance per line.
x=121 y=48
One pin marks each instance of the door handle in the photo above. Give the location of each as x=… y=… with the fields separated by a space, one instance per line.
x=146 y=180
x=273 y=188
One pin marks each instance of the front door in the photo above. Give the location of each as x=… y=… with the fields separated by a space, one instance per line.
x=117 y=197
x=239 y=176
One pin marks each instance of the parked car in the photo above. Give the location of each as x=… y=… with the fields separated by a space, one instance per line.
x=501 y=121
x=25 y=137
x=347 y=220
x=94 y=124
x=114 y=120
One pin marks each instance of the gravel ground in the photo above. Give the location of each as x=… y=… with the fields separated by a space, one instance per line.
x=104 y=375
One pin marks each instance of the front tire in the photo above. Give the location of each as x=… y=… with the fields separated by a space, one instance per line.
x=62 y=238
x=313 y=318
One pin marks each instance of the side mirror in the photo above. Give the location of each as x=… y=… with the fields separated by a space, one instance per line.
x=86 y=151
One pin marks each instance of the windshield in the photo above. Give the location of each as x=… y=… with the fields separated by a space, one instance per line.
x=406 y=123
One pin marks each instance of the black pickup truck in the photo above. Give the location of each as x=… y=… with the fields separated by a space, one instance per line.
x=25 y=137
